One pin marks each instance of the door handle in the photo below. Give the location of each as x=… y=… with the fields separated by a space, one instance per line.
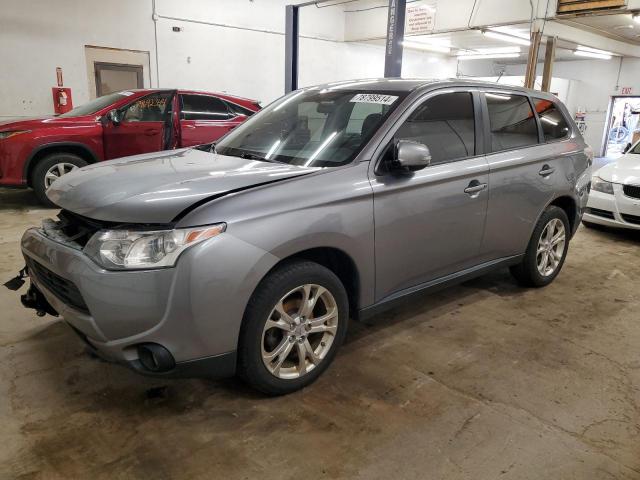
x=475 y=188
x=546 y=171
x=151 y=132
x=191 y=127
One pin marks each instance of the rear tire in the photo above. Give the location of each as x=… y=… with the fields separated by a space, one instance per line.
x=306 y=335
x=48 y=169
x=546 y=251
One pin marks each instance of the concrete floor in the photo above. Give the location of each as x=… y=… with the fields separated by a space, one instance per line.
x=481 y=381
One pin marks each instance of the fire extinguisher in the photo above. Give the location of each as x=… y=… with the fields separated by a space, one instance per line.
x=62 y=102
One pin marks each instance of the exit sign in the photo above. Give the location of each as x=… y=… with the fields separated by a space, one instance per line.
x=626 y=91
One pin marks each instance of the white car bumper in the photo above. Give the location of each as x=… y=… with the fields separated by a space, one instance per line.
x=617 y=210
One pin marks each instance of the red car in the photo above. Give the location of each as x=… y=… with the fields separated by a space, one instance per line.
x=35 y=152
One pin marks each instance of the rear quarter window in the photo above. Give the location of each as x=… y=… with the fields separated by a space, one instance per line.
x=554 y=125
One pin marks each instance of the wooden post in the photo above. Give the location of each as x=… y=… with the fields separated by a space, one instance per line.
x=532 y=61
x=549 y=57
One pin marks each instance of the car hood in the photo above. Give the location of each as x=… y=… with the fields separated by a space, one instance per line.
x=625 y=170
x=158 y=187
x=42 y=122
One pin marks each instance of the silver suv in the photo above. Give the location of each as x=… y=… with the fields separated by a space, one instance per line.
x=249 y=256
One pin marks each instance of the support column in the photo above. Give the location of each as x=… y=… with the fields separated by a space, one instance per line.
x=532 y=61
x=291 y=47
x=395 y=37
x=549 y=58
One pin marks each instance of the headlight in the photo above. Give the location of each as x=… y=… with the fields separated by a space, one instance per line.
x=13 y=133
x=600 y=185
x=128 y=249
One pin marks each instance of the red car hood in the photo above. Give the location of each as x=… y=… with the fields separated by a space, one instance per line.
x=41 y=122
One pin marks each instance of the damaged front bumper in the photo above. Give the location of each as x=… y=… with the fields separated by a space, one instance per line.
x=143 y=319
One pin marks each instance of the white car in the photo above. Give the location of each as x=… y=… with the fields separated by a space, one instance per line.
x=614 y=200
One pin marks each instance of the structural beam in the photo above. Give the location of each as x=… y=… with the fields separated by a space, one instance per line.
x=549 y=57
x=395 y=37
x=532 y=60
x=291 y=47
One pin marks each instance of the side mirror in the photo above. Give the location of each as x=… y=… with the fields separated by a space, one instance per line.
x=627 y=148
x=411 y=155
x=114 y=116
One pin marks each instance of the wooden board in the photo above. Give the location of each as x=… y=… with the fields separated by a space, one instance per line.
x=577 y=6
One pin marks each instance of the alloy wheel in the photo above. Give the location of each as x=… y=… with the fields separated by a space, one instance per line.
x=551 y=247
x=56 y=171
x=299 y=332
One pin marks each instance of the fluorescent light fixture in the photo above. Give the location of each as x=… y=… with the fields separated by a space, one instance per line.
x=593 y=50
x=490 y=51
x=583 y=51
x=472 y=56
x=636 y=18
x=505 y=37
x=426 y=46
x=512 y=31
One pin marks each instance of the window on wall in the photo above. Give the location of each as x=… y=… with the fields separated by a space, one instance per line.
x=554 y=125
x=203 y=107
x=444 y=123
x=512 y=122
x=151 y=108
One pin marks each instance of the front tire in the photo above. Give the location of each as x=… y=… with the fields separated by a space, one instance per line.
x=293 y=326
x=546 y=251
x=49 y=169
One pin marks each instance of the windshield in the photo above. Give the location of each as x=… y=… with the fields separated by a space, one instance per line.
x=316 y=128
x=635 y=149
x=94 y=106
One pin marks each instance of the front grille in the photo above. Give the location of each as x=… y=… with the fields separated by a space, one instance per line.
x=630 y=218
x=600 y=213
x=632 y=191
x=62 y=288
x=77 y=228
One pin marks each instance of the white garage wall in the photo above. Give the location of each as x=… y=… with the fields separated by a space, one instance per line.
x=235 y=46
x=39 y=35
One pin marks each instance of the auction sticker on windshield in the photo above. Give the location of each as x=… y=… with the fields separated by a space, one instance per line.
x=374 y=98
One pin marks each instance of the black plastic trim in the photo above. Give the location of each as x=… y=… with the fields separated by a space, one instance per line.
x=216 y=366
x=433 y=285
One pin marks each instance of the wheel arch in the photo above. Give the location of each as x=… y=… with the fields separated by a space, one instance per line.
x=42 y=151
x=336 y=260
x=570 y=207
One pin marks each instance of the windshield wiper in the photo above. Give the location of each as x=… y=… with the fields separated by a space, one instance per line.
x=255 y=156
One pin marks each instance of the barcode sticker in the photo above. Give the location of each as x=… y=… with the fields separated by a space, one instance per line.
x=374 y=98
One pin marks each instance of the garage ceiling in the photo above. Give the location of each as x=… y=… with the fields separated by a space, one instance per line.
x=617 y=26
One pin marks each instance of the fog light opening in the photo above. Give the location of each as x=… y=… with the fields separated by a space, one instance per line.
x=155 y=358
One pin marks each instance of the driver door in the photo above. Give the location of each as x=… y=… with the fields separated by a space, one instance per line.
x=430 y=223
x=141 y=128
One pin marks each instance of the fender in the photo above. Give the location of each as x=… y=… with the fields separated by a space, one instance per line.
x=56 y=145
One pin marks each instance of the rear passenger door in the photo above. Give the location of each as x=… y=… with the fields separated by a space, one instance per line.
x=429 y=224
x=204 y=119
x=522 y=172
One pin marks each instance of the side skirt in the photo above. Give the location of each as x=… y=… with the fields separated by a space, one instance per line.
x=433 y=285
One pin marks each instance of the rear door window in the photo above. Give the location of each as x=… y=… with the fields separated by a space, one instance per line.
x=203 y=107
x=553 y=124
x=445 y=123
x=512 y=122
